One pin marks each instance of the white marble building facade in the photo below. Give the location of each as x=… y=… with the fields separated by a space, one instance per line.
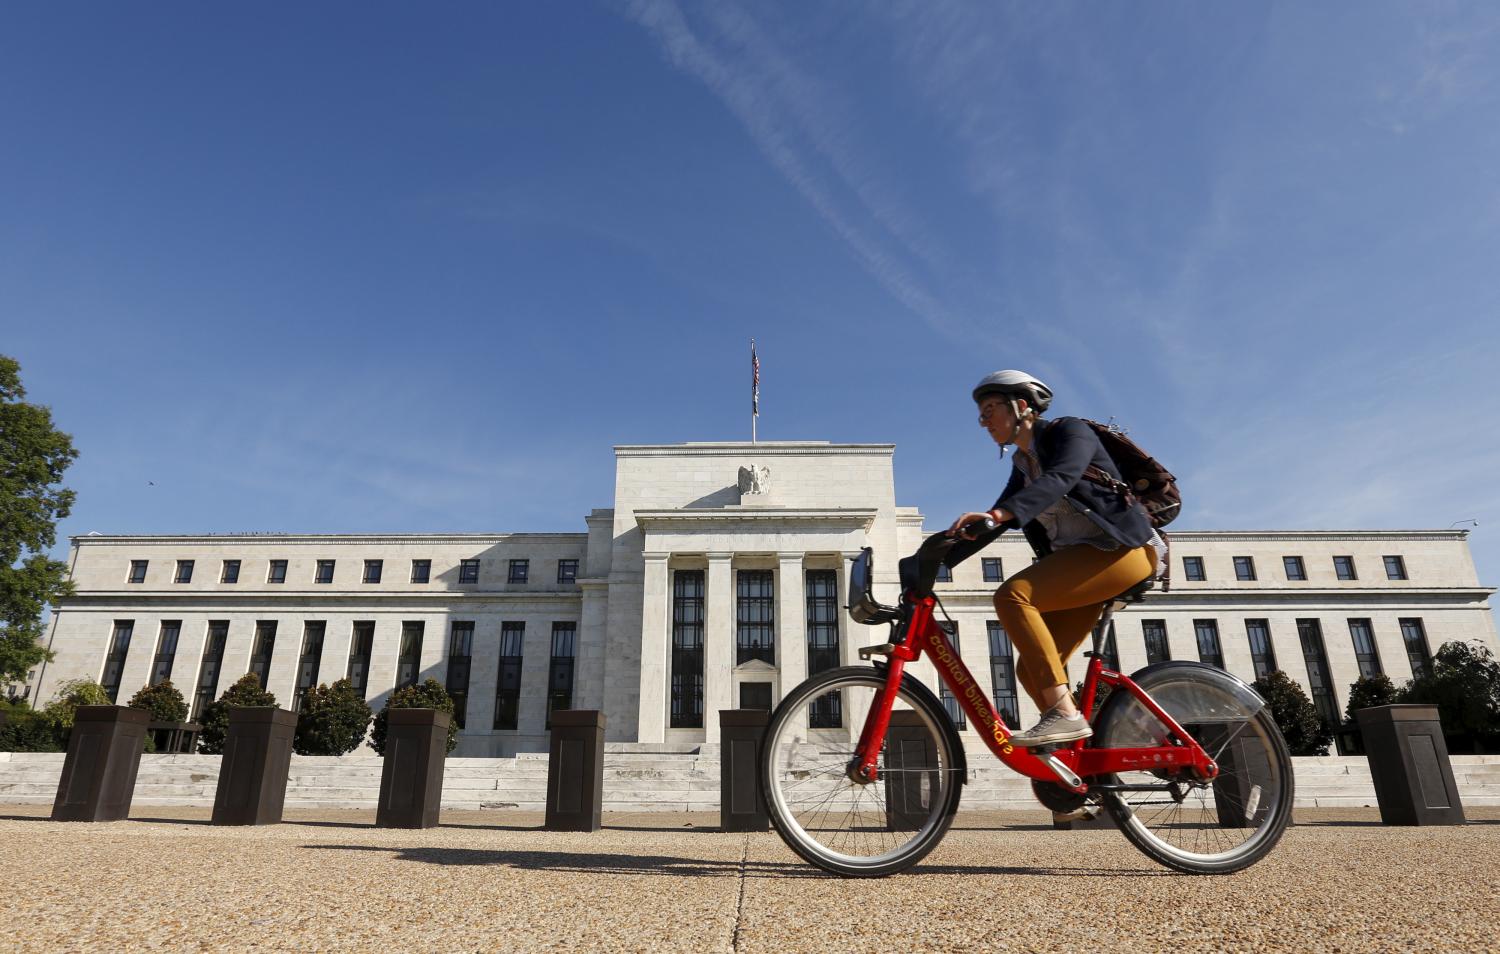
x=712 y=572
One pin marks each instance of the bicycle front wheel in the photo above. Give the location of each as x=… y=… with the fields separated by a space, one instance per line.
x=1213 y=827
x=849 y=827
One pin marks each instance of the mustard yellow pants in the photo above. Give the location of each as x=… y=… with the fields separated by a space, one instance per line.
x=1050 y=608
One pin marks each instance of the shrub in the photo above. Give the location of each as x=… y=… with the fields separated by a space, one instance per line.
x=1305 y=731
x=1464 y=684
x=163 y=701
x=215 y=720
x=1366 y=692
x=333 y=720
x=27 y=730
x=71 y=695
x=429 y=695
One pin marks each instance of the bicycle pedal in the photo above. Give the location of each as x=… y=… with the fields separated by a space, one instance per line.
x=883 y=649
x=1086 y=813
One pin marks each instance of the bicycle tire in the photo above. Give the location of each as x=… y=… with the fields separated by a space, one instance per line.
x=1253 y=794
x=830 y=821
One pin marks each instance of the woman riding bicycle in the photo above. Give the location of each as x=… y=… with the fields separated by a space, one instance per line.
x=1092 y=544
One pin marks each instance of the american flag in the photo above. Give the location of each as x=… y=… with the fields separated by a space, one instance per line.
x=754 y=381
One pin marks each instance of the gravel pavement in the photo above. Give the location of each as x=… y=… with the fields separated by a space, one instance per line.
x=492 y=881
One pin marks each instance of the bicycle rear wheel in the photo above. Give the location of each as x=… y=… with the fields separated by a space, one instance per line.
x=847 y=827
x=1214 y=827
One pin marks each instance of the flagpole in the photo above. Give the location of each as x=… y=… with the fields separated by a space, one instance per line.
x=754 y=391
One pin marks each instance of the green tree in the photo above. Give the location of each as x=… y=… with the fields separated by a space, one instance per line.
x=162 y=700
x=1305 y=731
x=215 y=719
x=33 y=456
x=1366 y=692
x=429 y=695
x=333 y=720
x=1464 y=684
x=70 y=695
x=26 y=729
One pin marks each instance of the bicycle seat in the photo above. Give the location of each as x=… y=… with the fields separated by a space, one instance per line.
x=1137 y=593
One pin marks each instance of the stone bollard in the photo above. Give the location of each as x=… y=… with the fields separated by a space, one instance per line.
x=253 y=771
x=104 y=753
x=909 y=748
x=411 y=778
x=1409 y=764
x=742 y=803
x=575 y=771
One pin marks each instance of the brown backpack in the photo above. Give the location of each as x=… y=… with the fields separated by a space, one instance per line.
x=1145 y=479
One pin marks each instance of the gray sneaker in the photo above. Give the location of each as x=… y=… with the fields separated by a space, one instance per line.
x=1053 y=728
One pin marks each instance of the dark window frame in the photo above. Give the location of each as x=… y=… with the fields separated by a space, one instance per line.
x=114 y=660
x=944 y=573
x=1418 y=649
x=992 y=569
x=755 y=616
x=508 y=678
x=309 y=660
x=1396 y=562
x=562 y=667
x=1339 y=568
x=1299 y=575
x=324 y=579
x=184 y=572
x=425 y=566
x=361 y=649
x=276 y=571
x=1319 y=675
x=166 y=651
x=1194 y=570
x=821 y=593
x=210 y=667
x=1244 y=569
x=945 y=695
x=567 y=571
x=409 y=652
x=230 y=572
x=1262 y=655
x=1366 y=659
x=378 y=568
x=1210 y=651
x=137 y=577
x=263 y=650
x=518 y=571
x=468 y=571
x=1153 y=631
x=686 y=702
x=1003 y=673
x=460 y=666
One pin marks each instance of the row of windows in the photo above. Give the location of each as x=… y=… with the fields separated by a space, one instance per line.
x=1244 y=569
x=518 y=571
x=755 y=637
x=1294 y=568
x=362 y=639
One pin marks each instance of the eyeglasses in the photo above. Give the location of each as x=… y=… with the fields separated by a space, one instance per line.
x=988 y=409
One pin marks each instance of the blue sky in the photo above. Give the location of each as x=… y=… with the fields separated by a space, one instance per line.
x=379 y=267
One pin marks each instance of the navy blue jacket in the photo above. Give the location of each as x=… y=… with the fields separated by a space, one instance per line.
x=1065 y=447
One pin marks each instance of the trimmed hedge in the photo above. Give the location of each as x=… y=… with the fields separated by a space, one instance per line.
x=215 y=720
x=429 y=695
x=163 y=701
x=1305 y=731
x=333 y=720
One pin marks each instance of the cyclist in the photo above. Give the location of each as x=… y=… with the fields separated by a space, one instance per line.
x=1091 y=543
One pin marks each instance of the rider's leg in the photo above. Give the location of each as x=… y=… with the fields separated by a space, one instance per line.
x=1074 y=578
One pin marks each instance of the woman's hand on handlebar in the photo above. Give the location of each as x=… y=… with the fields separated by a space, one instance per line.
x=971 y=525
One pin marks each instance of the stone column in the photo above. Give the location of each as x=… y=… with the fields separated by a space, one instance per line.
x=655 y=649
x=849 y=632
x=791 y=621
x=719 y=639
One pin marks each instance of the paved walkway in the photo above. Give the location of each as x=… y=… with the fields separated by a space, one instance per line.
x=490 y=881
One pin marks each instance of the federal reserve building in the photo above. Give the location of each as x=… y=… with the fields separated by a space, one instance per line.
x=716 y=579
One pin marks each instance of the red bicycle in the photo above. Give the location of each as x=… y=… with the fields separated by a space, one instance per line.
x=1185 y=756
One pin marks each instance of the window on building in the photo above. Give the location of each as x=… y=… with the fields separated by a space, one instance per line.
x=945 y=573
x=519 y=571
x=361 y=646
x=373 y=569
x=409 y=660
x=421 y=571
x=1262 y=653
x=991 y=567
x=460 y=661
x=1414 y=635
x=561 y=668
x=1109 y=653
x=209 y=667
x=1343 y=567
x=567 y=571
x=137 y=571
x=1209 y=651
x=1395 y=568
x=1365 y=652
x=114 y=661
x=1294 y=568
x=755 y=616
x=1244 y=568
x=276 y=573
x=184 y=572
x=310 y=660
x=1003 y=673
x=508 y=684
x=468 y=571
x=950 y=701
x=262 y=650
x=1155 y=633
x=1310 y=633
x=166 y=651
x=827 y=711
x=687 y=649
x=231 y=572
x=1192 y=568
x=324 y=573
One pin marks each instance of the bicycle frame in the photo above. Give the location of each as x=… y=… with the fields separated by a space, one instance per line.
x=1082 y=761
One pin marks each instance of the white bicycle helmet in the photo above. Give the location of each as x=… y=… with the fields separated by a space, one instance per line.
x=1012 y=385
